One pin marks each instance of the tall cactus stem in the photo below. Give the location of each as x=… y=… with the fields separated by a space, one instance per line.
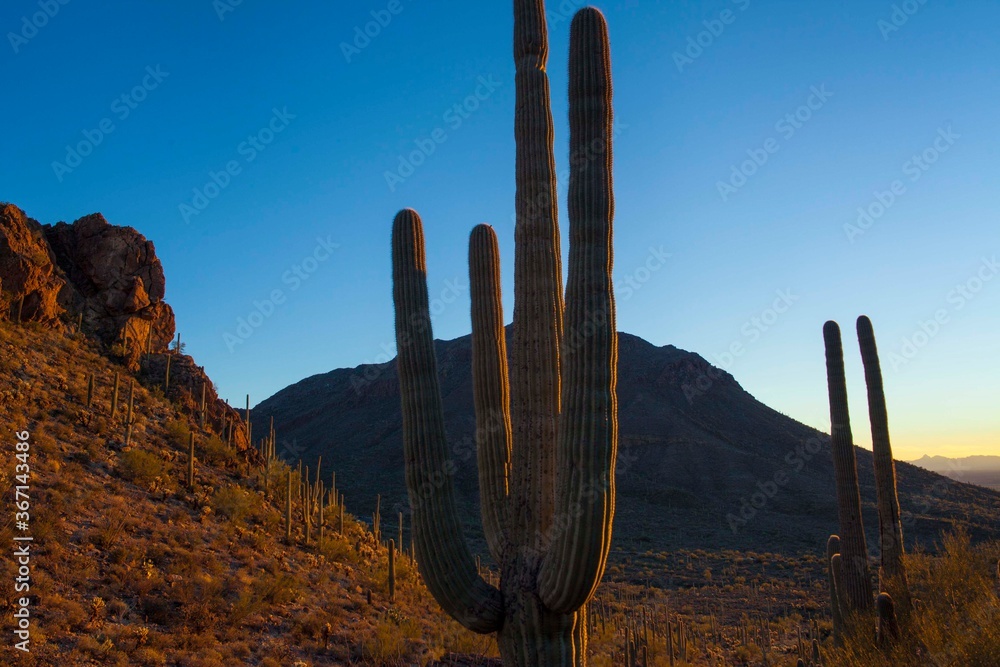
x=190 y=462
x=201 y=410
x=288 y=509
x=890 y=524
x=854 y=551
x=392 y=570
x=128 y=414
x=114 y=396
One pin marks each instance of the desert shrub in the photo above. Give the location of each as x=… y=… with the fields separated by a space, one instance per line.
x=178 y=433
x=956 y=617
x=217 y=453
x=110 y=528
x=393 y=639
x=235 y=503
x=140 y=467
x=148 y=657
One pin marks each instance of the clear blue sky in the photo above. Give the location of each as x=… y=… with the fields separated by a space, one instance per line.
x=880 y=96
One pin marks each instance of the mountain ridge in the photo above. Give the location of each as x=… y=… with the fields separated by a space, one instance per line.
x=702 y=464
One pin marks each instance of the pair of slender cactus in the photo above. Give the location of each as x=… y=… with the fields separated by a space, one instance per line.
x=847 y=554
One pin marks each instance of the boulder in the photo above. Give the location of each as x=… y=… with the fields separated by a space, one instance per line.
x=116 y=281
x=30 y=280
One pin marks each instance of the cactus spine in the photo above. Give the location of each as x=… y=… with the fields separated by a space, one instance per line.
x=856 y=582
x=548 y=438
x=890 y=526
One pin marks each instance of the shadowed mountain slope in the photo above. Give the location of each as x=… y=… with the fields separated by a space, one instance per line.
x=702 y=464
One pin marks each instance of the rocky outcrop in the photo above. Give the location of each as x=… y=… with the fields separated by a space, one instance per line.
x=108 y=280
x=30 y=280
x=116 y=281
x=109 y=275
x=185 y=390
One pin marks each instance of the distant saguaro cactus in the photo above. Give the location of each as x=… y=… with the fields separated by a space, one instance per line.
x=392 y=570
x=288 y=509
x=857 y=591
x=890 y=525
x=548 y=435
x=190 y=462
x=114 y=396
x=129 y=420
x=201 y=410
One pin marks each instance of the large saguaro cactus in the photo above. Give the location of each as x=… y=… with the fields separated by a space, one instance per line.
x=547 y=433
x=890 y=525
x=857 y=591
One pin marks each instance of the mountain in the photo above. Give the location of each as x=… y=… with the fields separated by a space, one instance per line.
x=701 y=464
x=981 y=470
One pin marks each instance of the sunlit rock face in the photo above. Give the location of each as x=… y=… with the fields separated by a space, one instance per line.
x=30 y=280
x=54 y=273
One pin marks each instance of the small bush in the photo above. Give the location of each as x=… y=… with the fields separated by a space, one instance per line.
x=140 y=468
x=178 y=433
x=217 y=453
x=235 y=503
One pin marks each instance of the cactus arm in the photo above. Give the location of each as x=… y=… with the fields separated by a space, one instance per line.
x=856 y=582
x=538 y=301
x=443 y=555
x=490 y=386
x=588 y=428
x=833 y=549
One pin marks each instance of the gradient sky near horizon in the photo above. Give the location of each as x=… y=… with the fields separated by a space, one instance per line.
x=861 y=105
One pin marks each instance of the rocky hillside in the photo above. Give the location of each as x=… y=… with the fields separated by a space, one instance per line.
x=702 y=464
x=128 y=565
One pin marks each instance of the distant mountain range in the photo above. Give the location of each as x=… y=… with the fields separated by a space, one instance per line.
x=702 y=463
x=982 y=470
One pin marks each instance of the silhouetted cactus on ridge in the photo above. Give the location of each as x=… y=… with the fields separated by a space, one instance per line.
x=890 y=525
x=548 y=438
x=856 y=582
